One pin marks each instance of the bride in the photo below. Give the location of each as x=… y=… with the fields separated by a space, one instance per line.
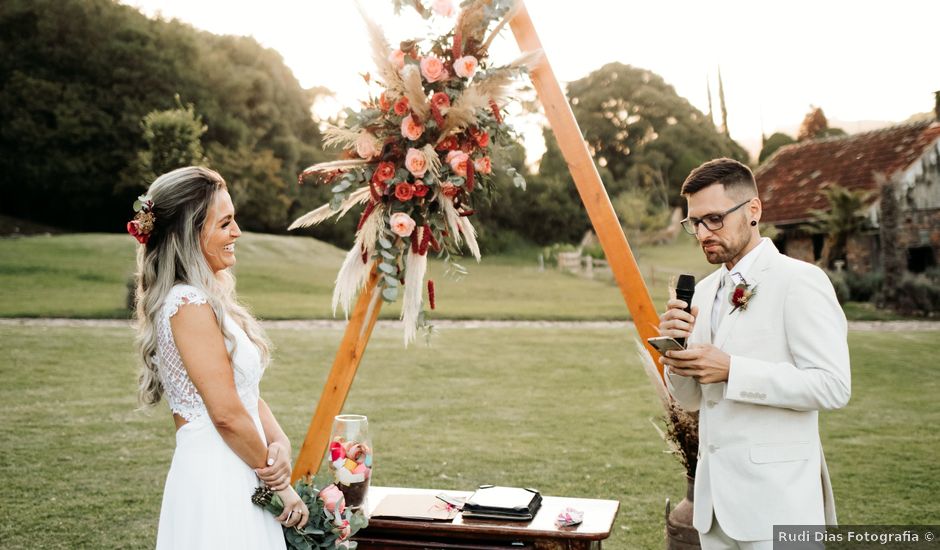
x=205 y=353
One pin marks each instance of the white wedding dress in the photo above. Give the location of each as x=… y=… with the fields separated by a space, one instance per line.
x=207 y=498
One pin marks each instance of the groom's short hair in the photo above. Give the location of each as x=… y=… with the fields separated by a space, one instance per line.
x=734 y=176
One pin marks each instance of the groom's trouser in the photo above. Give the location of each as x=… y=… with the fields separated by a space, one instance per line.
x=717 y=539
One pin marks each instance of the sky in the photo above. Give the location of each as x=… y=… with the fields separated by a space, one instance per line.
x=859 y=60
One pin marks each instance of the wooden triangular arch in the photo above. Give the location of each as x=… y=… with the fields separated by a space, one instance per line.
x=599 y=209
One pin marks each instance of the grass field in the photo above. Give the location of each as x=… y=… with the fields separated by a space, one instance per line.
x=562 y=410
x=85 y=276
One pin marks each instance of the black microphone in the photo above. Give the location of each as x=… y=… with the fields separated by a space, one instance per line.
x=685 y=288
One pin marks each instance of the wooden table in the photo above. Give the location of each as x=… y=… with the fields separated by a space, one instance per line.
x=539 y=533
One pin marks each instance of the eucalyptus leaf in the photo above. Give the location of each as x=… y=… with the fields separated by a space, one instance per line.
x=385 y=243
x=388 y=255
x=390 y=294
x=391 y=281
x=388 y=268
x=342 y=186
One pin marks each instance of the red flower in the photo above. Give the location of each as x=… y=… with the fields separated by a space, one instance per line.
x=420 y=189
x=440 y=100
x=404 y=192
x=134 y=230
x=383 y=172
x=401 y=106
x=447 y=144
x=482 y=138
x=450 y=190
x=431 y=293
x=738 y=295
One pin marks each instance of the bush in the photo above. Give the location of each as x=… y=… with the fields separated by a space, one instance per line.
x=918 y=295
x=595 y=251
x=840 y=286
x=551 y=252
x=862 y=287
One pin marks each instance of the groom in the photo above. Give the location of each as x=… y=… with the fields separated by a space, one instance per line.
x=767 y=350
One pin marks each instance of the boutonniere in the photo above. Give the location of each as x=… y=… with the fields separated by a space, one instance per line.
x=741 y=296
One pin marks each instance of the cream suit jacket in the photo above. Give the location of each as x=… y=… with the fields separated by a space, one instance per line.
x=760 y=459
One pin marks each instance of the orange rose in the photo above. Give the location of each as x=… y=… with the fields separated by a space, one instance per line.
x=401 y=224
x=465 y=66
x=432 y=68
x=458 y=162
x=411 y=129
x=416 y=163
x=483 y=165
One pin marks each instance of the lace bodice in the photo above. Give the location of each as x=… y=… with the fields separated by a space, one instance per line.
x=181 y=394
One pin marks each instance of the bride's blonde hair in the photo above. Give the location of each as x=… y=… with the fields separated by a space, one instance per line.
x=172 y=255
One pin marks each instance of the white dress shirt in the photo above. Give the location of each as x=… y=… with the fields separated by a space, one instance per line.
x=738 y=275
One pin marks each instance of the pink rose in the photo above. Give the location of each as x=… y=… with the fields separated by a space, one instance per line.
x=397 y=58
x=458 y=162
x=333 y=499
x=444 y=8
x=483 y=165
x=367 y=146
x=411 y=129
x=465 y=66
x=344 y=529
x=416 y=162
x=401 y=224
x=432 y=68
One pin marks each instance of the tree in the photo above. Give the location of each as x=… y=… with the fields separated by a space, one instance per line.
x=632 y=117
x=172 y=138
x=891 y=255
x=771 y=144
x=77 y=77
x=816 y=125
x=844 y=218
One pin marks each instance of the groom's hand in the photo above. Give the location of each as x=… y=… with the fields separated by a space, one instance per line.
x=704 y=362
x=276 y=475
x=675 y=322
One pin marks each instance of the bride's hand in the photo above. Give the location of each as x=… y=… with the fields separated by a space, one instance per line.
x=295 y=512
x=277 y=474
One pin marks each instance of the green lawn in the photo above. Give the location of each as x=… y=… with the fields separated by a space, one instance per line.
x=562 y=410
x=85 y=276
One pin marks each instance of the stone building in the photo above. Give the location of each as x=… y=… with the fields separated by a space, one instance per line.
x=906 y=156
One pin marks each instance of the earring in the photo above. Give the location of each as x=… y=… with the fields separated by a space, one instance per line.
x=753 y=223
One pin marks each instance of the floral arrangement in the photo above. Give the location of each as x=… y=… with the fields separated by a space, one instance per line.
x=418 y=155
x=351 y=466
x=741 y=295
x=331 y=523
x=142 y=224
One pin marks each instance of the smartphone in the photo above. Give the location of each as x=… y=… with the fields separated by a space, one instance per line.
x=665 y=343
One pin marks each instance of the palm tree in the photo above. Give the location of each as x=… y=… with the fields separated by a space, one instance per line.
x=844 y=217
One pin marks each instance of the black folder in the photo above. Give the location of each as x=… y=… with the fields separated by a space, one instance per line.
x=505 y=503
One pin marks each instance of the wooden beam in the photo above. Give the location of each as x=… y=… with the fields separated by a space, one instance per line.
x=588 y=181
x=351 y=349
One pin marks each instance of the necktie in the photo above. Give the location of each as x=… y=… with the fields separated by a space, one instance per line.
x=724 y=302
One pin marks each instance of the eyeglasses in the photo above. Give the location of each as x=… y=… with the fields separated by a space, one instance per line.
x=712 y=222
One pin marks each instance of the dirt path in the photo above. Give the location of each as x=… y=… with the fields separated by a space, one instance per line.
x=302 y=324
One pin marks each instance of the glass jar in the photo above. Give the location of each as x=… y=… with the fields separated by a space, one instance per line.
x=350 y=457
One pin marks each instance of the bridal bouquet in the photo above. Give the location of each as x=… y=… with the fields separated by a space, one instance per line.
x=331 y=523
x=417 y=155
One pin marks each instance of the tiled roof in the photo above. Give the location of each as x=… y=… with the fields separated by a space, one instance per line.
x=790 y=181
